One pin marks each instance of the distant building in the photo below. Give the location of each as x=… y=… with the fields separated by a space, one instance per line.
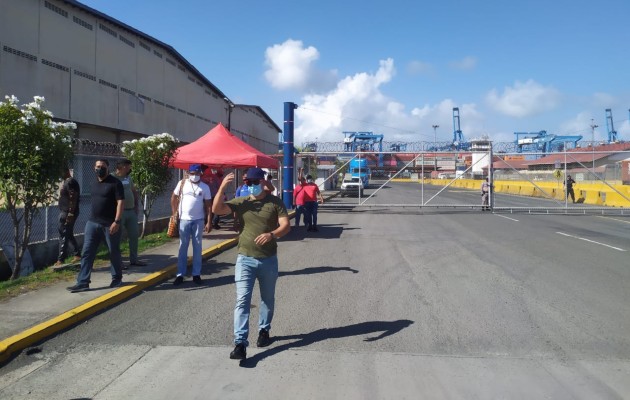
x=115 y=82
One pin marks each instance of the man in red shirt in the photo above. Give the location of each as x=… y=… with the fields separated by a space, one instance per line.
x=298 y=201
x=311 y=196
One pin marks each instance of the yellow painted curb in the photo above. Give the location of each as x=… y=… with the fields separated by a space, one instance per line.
x=46 y=329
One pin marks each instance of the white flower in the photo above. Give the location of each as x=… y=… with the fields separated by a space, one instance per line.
x=36 y=148
x=12 y=99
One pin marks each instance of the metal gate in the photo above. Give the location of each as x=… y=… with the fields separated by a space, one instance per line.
x=449 y=181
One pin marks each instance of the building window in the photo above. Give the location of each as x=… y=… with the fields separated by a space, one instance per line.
x=168 y=60
x=170 y=106
x=55 y=65
x=127 y=41
x=56 y=9
x=145 y=46
x=181 y=68
x=19 y=53
x=157 y=53
x=84 y=75
x=158 y=103
x=108 y=30
x=82 y=23
x=144 y=97
x=125 y=90
x=104 y=82
x=190 y=78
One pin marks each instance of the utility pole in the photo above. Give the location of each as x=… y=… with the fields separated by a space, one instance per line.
x=593 y=126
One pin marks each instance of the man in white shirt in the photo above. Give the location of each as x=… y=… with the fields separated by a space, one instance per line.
x=191 y=199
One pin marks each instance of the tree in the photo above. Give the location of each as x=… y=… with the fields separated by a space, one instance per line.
x=150 y=157
x=33 y=151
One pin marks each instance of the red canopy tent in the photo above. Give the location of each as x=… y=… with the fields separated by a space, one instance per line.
x=220 y=148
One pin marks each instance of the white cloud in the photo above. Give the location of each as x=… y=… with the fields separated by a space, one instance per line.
x=419 y=67
x=524 y=99
x=358 y=103
x=465 y=64
x=291 y=67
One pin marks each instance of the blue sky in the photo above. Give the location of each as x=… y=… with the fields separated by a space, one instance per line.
x=398 y=67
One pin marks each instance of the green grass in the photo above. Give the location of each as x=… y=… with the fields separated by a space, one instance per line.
x=47 y=276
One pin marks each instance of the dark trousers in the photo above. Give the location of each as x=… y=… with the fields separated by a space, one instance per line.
x=571 y=193
x=94 y=235
x=299 y=211
x=66 y=237
x=310 y=213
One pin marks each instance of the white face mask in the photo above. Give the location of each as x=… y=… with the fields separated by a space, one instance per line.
x=194 y=178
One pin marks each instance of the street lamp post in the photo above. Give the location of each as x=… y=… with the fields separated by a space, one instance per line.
x=229 y=110
x=593 y=126
x=435 y=134
x=435 y=147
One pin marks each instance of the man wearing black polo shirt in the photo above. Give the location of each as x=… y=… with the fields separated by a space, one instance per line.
x=104 y=224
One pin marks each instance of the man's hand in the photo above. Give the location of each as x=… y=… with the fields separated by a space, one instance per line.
x=113 y=228
x=229 y=178
x=208 y=227
x=70 y=218
x=263 y=238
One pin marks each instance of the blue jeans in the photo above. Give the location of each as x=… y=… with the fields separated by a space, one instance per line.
x=246 y=271
x=189 y=229
x=94 y=234
x=299 y=210
x=310 y=217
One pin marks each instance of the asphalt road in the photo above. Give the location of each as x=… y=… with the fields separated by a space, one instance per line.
x=381 y=303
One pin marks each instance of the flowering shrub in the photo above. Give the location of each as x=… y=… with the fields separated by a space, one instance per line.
x=33 y=151
x=150 y=157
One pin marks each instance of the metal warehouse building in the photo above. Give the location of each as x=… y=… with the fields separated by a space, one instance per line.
x=114 y=81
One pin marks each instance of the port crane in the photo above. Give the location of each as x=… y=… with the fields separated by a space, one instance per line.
x=543 y=142
x=364 y=141
x=612 y=133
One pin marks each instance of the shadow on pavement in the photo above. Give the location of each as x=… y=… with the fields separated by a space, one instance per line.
x=386 y=328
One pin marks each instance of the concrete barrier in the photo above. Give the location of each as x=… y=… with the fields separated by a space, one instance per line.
x=593 y=193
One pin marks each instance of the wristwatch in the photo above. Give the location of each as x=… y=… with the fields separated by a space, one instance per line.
x=117 y=221
x=273 y=235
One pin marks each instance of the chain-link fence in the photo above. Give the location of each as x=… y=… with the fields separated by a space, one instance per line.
x=45 y=221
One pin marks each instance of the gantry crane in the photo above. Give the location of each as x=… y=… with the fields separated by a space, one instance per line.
x=364 y=141
x=612 y=133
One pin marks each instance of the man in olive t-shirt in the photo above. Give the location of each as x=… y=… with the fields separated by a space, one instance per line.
x=263 y=219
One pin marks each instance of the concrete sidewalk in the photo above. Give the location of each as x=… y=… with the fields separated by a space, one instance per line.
x=36 y=315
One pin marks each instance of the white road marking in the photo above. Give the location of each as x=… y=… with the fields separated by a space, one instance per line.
x=615 y=219
x=591 y=241
x=503 y=216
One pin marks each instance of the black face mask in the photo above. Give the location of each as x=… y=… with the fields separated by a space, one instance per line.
x=101 y=172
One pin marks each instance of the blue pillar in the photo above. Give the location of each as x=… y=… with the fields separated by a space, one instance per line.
x=288 y=150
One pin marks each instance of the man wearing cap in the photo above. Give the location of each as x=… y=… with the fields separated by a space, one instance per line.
x=130 y=213
x=190 y=200
x=263 y=219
